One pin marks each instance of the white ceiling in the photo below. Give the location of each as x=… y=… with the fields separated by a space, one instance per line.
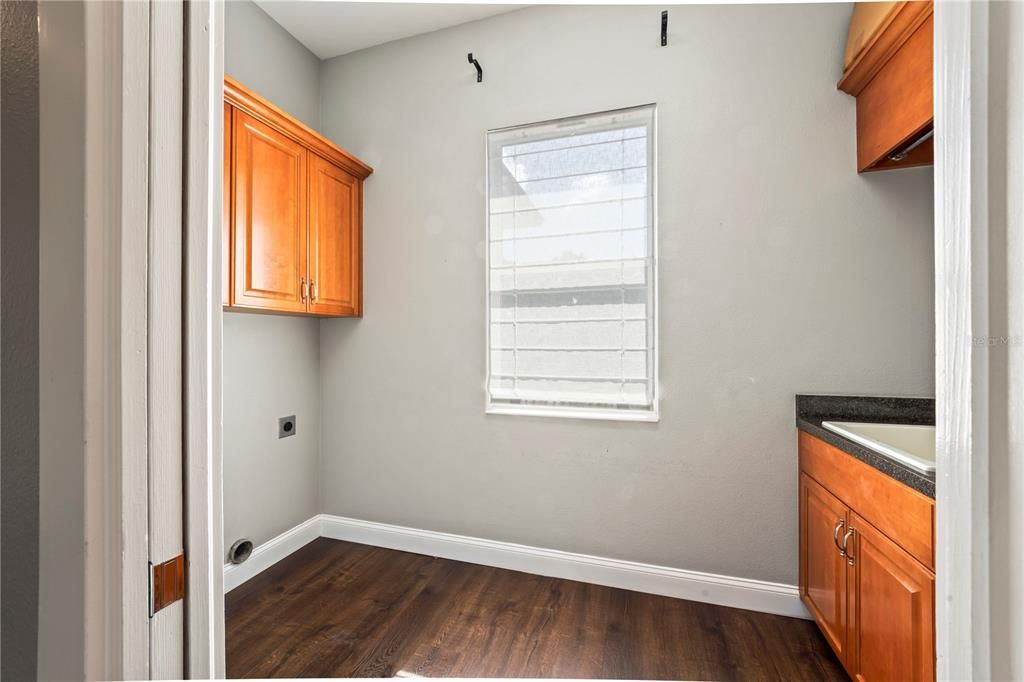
x=332 y=28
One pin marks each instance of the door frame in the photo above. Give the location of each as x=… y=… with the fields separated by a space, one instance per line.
x=963 y=398
x=116 y=515
x=204 y=524
x=979 y=284
x=118 y=630
x=964 y=401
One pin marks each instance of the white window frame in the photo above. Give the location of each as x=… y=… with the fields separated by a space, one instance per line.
x=577 y=411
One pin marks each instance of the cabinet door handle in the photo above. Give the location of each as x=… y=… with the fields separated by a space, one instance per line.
x=304 y=290
x=835 y=537
x=312 y=290
x=846 y=541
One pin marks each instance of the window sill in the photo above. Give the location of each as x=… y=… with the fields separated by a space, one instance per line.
x=649 y=416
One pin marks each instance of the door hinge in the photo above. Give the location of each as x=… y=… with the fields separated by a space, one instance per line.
x=166 y=583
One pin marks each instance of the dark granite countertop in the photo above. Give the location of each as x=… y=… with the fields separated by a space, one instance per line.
x=811 y=410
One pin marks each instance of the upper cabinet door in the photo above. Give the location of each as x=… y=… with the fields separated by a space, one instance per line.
x=823 y=520
x=335 y=240
x=892 y=610
x=226 y=213
x=269 y=233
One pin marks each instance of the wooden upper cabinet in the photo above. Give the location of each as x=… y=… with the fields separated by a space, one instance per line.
x=293 y=213
x=335 y=240
x=270 y=230
x=823 y=520
x=890 y=73
x=226 y=216
x=892 y=610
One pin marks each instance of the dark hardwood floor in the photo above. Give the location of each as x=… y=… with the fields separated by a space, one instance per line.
x=336 y=609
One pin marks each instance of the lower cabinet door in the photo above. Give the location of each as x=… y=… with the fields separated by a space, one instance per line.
x=823 y=570
x=892 y=610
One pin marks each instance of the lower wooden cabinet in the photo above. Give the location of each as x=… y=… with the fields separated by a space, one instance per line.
x=872 y=599
x=293 y=211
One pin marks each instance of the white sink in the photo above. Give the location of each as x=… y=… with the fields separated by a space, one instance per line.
x=906 y=443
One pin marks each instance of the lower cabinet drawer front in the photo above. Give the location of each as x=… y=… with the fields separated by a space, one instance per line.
x=904 y=515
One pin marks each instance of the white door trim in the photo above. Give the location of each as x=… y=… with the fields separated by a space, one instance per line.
x=204 y=527
x=133 y=453
x=116 y=520
x=962 y=264
x=166 y=322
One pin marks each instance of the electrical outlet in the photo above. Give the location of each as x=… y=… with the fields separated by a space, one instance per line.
x=286 y=426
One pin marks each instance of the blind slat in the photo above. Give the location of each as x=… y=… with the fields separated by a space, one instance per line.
x=570 y=205
x=577 y=262
x=516 y=154
x=556 y=235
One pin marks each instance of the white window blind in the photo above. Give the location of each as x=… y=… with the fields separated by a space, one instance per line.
x=571 y=268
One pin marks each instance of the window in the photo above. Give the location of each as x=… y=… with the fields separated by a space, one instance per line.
x=571 y=267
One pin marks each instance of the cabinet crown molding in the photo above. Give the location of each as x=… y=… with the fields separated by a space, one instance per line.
x=244 y=99
x=897 y=27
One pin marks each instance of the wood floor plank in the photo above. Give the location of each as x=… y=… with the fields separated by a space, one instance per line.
x=336 y=609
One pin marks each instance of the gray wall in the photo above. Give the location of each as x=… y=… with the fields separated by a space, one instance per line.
x=19 y=338
x=781 y=271
x=271 y=370
x=271 y=363
x=266 y=58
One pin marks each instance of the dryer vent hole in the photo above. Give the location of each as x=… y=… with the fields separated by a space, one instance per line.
x=240 y=551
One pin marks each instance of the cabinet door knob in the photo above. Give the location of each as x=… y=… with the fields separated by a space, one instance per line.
x=304 y=290
x=835 y=537
x=312 y=290
x=846 y=541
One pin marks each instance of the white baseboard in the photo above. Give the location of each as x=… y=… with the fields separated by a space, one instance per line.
x=742 y=593
x=270 y=552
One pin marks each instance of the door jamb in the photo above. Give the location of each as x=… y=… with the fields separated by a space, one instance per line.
x=116 y=515
x=204 y=527
x=962 y=373
x=116 y=300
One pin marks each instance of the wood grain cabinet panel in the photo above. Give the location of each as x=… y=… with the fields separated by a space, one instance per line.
x=823 y=518
x=335 y=242
x=270 y=217
x=892 y=611
x=293 y=214
x=226 y=214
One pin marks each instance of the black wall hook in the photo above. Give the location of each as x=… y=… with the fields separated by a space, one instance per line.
x=479 y=70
